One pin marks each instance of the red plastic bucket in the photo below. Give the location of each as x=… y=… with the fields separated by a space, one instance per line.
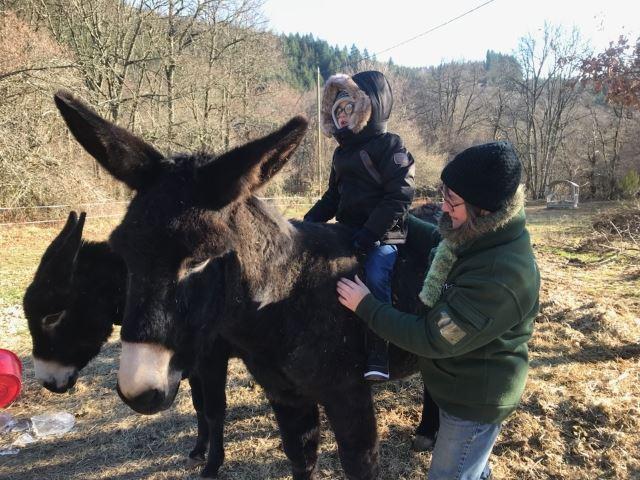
x=10 y=377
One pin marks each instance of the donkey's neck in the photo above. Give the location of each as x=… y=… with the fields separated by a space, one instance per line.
x=101 y=276
x=265 y=245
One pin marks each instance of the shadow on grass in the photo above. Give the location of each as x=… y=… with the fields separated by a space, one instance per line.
x=592 y=353
x=134 y=454
x=157 y=448
x=153 y=447
x=87 y=457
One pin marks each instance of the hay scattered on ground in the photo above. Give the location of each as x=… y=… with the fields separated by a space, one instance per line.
x=579 y=418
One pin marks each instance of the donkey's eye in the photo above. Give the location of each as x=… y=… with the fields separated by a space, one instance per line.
x=49 y=322
x=193 y=265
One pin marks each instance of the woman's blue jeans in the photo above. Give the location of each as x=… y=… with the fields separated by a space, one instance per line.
x=462 y=449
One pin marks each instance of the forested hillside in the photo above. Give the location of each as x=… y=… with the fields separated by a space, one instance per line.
x=207 y=76
x=305 y=54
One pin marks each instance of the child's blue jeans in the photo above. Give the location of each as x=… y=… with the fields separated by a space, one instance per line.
x=379 y=267
x=462 y=449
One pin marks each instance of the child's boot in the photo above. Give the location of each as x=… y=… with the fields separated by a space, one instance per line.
x=377 y=369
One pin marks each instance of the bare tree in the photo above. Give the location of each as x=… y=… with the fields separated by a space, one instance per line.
x=500 y=92
x=546 y=101
x=609 y=134
x=38 y=166
x=107 y=39
x=615 y=75
x=448 y=105
x=212 y=78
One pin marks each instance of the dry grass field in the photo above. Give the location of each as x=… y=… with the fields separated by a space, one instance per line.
x=579 y=418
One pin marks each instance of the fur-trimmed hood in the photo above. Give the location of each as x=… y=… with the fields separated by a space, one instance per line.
x=461 y=238
x=372 y=97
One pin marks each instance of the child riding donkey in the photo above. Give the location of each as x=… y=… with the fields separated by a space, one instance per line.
x=371 y=185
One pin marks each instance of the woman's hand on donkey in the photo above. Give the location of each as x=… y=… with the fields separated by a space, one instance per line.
x=351 y=293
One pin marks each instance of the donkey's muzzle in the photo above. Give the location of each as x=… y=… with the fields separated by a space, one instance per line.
x=147 y=403
x=53 y=386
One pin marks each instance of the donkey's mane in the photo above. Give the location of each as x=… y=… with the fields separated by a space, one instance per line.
x=311 y=240
x=322 y=230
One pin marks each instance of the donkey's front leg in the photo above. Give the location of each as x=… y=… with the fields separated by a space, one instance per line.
x=353 y=422
x=212 y=368
x=196 y=456
x=300 y=432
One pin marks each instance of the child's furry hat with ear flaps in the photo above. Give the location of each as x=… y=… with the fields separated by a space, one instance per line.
x=362 y=104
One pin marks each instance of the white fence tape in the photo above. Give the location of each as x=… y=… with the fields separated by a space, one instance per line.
x=282 y=202
x=289 y=202
x=42 y=207
x=57 y=220
x=35 y=207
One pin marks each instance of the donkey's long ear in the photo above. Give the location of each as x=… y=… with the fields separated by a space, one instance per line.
x=61 y=238
x=58 y=262
x=241 y=171
x=127 y=157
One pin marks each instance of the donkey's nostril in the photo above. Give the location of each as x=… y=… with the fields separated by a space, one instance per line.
x=147 y=403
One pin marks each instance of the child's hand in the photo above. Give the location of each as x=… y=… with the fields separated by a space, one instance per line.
x=364 y=239
x=351 y=293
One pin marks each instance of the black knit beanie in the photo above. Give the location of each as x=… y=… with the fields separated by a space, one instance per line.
x=485 y=176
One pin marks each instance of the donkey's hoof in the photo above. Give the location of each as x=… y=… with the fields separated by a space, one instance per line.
x=421 y=443
x=209 y=472
x=305 y=475
x=195 y=461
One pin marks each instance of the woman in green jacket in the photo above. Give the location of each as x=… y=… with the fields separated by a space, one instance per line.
x=480 y=297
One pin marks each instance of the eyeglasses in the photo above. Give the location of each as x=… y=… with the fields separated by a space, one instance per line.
x=445 y=199
x=347 y=110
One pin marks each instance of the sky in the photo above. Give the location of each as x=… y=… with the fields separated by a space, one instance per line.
x=378 y=25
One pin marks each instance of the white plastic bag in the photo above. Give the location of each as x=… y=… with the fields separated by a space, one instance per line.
x=52 y=423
